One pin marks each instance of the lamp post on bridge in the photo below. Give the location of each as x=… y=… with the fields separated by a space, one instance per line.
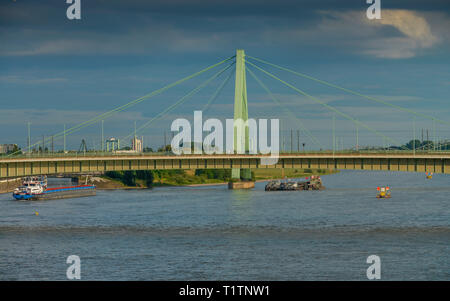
x=103 y=147
x=29 y=138
x=333 y=131
x=414 y=138
x=64 y=148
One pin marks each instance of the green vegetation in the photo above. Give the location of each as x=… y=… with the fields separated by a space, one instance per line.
x=139 y=178
x=187 y=177
x=417 y=145
x=277 y=173
x=179 y=177
x=424 y=145
x=16 y=151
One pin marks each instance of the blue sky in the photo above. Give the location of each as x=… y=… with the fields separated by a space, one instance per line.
x=55 y=71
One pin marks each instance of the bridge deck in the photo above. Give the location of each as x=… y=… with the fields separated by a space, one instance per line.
x=25 y=166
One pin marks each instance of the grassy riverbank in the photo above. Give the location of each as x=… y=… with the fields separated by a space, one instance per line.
x=158 y=178
x=277 y=173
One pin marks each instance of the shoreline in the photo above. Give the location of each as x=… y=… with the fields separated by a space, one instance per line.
x=200 y=184
x=226 y=183
x=110 y=184
x=190 y=185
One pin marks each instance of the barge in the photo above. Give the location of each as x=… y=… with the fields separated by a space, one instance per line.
x=313 y=183
x=35 y=188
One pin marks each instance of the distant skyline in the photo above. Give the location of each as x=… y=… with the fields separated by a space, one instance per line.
x=56 y=72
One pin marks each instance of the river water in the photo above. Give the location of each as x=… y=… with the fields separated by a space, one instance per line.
x=212 y=233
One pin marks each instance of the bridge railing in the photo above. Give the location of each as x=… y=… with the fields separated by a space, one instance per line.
x=168 y=153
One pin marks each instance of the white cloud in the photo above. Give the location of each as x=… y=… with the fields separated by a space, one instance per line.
x=399 y=34
x=416 y=32
x=371 y=38
x=411 y=24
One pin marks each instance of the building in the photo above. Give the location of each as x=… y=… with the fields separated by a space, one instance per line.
x=6 y=148
x=137 y=145
x=112 y=144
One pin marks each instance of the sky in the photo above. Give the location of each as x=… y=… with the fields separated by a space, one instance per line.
x=55 y=71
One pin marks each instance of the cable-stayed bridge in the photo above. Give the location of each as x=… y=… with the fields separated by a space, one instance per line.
x=17 y=167
x=400 y=158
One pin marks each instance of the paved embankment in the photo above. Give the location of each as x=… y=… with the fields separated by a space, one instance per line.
x=8 y=185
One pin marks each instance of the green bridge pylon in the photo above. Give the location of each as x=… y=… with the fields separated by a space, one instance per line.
x=241 y=112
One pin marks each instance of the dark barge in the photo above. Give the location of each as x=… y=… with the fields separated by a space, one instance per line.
x=313 y=183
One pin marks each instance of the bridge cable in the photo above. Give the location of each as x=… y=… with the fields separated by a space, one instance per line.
x=351 y=91
x=127 y=105
x=278 y=102
x=326 y=105
x=154 y=93
x=206 y=106
x=217 y=92
x=181 y=100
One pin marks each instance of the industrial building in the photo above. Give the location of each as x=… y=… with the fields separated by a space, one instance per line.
x=6 y=148
x=137 y=144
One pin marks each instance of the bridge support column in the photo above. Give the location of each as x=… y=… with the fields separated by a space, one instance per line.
x=241 y=139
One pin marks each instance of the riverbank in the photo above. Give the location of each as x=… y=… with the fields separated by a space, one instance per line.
x=275 y=175
x=105 y=183
x=289 y=173
x=193 y=178
x=188 y=178
x=9 y=185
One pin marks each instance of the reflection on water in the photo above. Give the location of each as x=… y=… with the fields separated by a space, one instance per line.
x=241 y=205
x=212 y=233
x=240 y=196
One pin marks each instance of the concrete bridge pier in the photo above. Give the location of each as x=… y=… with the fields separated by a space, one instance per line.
x=242 y=177
x=241 y=184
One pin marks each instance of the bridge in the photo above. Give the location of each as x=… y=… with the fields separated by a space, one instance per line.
x=18 y=167
x=411 y=160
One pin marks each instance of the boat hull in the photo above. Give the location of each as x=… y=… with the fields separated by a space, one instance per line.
x=59 y=193
x=22 y=197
